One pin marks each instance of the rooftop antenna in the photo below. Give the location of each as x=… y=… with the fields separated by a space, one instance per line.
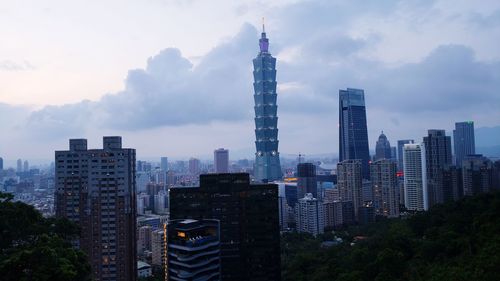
x=263 y=25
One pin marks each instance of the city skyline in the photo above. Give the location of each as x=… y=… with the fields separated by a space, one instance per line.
x=343 y=45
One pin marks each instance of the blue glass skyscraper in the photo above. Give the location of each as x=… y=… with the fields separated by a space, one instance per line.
x=353 y=132
x=267 y=159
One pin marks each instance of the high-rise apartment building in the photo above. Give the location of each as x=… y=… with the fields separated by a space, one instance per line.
x=463 y=141
x=353 y=131
x=415 y=177
x=438 y=157
x=477 y=175
x=401 y=144
x=267 y=158
x=383 y=148
x=158 y=248
x=249 y=223
x=350 y=183
x=385 y=188
x=306 y=180
x=95 y=188
x=221 y=160
x=26 y=166
x=161 y=202
x=310 y=215
x=193 y=250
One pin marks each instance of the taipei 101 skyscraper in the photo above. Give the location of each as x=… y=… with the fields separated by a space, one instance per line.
x=267 y=158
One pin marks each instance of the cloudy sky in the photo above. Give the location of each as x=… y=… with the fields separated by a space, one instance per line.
x=174 y=77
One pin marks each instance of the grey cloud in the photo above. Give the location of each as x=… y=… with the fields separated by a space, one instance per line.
x=8 y=65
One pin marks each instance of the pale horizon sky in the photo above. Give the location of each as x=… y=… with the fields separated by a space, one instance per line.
x=174 y=77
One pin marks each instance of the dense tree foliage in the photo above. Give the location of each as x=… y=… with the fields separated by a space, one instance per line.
x=454 y=241
x=35 y=248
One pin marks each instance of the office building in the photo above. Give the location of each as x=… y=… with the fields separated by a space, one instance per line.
x=19 y=166
x=385 y=188
x=282 y=206
x=438 y=157
x=95 y=188
x=306 y=180
x=267 y=165
x=193 y=250
x=477 y=174
x=164 y=164
x=353 y=131
x=401 y=144
x=415 y=177
x=310 y=215
x=249 y=222
x=221 y=160
x=26 y=166
x=463 y=141
x=383 y=148
x=350 y=183
x=452 y=183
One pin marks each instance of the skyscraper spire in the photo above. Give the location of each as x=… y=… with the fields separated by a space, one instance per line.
x=263 y=41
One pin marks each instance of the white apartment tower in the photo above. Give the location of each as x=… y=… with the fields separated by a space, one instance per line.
x=415 y=174
x=309 y=215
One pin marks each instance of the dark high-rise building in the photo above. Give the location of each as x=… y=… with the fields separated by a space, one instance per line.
x=249 y=222
x=306 y=180
x=353 y=131
x=221 y=160
x=438 y=157
x=267 y=159
x=463 y=141
x=193 y=250
x=401 y=144
x=477 y=175
x=383 y=148
x=1 y=163
x=452 y=183
x=95 y=188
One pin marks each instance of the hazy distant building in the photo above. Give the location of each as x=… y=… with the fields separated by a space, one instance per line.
x=350 y=183
x=194 y=166
x=1 y=163
x=19 y=166
x=438 y=157
x=267 y=165
x=26 y=166
x=164 y=164
x=383 y=148
x=464 y=141
x=194 y=250
x=477 y=174
x=353 y=131
x=415 y=177
x=385 y=188
x=401 y=143
x=95 y=188
x=306 y=180
x=309 y=215
x=249 y=222
x=161 y=201
x=221 y=160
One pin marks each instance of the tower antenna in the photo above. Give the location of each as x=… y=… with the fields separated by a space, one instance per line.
x=263 y=25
